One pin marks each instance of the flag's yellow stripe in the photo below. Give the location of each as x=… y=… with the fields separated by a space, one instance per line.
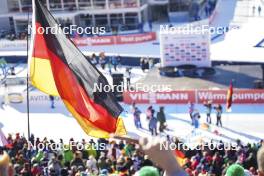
x=120 y=129
x=41 y=76
x=90 y=129
x=181 y=161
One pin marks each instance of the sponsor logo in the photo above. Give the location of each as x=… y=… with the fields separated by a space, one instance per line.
x=15 y=98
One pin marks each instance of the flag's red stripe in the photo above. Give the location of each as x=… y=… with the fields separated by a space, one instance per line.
x=230 y=94
x=40 y=46
x=179 y=153
x=70 y=90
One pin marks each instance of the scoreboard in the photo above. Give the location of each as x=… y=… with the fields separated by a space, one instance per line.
x=185 y=49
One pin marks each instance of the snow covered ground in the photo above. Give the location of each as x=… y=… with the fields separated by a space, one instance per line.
x=245 y=122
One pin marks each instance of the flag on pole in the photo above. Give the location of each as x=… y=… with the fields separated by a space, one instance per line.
x=229 y=97
x=58 y=68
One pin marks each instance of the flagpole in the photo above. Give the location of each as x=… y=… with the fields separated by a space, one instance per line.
x=28 y=117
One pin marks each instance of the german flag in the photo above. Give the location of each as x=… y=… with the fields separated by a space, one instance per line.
x=58 y=68
x=180 y=156
x=229 y=97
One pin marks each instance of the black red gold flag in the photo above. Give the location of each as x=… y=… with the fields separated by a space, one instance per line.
x=58 y=68
x=229 y=97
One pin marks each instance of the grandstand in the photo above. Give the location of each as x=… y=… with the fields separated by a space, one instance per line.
x=120 y=15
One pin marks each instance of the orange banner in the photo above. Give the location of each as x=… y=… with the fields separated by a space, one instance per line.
x=115 y=40
x=240 y=96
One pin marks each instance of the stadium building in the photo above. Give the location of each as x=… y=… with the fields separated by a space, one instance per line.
x=116 y=15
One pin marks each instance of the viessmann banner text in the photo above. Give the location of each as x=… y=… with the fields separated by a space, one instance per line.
x=245 y=96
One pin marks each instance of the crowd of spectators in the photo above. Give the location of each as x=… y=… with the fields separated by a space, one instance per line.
x=10 y=35
x=222 y=162
x=124 y=156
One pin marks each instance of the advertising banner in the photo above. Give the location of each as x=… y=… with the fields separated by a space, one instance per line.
x=172 y=97
x=91 y=41
x=250 y=96
x=35 y=98
x=115 y=40
x=244 y=96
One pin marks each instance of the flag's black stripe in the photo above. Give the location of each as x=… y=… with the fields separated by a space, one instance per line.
x=85 y=72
